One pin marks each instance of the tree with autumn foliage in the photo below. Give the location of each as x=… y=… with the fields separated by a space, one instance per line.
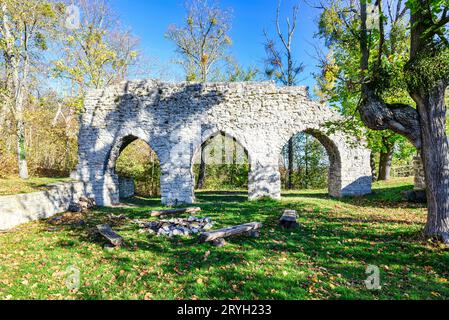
x=25 y=28
x=98 y=53
x=338 y=82
x=423 y=71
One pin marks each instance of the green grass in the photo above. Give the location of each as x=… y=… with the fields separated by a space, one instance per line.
x=326 y=258
x=14 y=185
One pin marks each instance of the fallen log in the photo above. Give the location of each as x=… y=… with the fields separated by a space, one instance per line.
x=159 y=213
x=106 y=231
x=229 y=232
x=289 y=220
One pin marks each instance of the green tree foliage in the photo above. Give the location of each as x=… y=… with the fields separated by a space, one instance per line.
x=236 y=73
x=227 y=164
x=99 y=53
x=310 y=163
x=340 y=83
x=424 y=70
x=51 y=144
x=139 y=162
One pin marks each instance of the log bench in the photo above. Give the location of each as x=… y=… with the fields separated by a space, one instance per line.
x=106 y=231
x=217 y=237
x=158 y=213
x=289 y=220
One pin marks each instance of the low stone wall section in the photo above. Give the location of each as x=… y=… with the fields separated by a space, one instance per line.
x=23 y=208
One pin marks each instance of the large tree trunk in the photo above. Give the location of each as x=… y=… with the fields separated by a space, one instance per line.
x=21 y=152
x=424 y=127
x=435 y=155
x=290 y=164
x=16 y=88
x=20 y=123
x=432 y=111
x=386 y=159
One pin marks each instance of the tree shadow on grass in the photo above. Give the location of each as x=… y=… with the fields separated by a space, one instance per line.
x=221 y=196
x=312 y=243
x=388 y=197
x=326 y=245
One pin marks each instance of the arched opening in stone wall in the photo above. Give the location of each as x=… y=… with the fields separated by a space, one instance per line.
x=315 y=163
x=221 y=163
x=137 y=167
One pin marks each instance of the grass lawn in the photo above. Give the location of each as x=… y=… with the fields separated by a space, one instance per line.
x=14 y=185
x=326 y=258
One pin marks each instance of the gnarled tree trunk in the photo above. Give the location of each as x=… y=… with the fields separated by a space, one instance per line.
x=435 y=155
x=420 y=179
x=432 y=111
x=424 y=127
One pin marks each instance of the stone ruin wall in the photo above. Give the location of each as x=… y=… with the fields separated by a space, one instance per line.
x=176 y=119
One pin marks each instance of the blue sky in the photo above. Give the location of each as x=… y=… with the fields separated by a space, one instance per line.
x=149 y=20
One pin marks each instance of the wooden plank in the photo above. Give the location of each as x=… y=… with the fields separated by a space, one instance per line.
x=174 y=211
x=231 y=231
x=106 y=231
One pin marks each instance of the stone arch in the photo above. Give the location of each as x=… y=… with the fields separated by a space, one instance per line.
x=209 y=134
x=333 y=153
x=116 y=151
x=123 y=140
x=348 y=162
x=212 y=133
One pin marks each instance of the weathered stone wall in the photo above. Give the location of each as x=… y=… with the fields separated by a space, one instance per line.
x=23 y=208
x=176 y=119
x=127 y=188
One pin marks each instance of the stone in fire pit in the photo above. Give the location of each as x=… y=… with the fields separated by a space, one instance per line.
x=177 y=227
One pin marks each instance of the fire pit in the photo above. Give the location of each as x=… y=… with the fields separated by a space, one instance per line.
x=177 y=227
